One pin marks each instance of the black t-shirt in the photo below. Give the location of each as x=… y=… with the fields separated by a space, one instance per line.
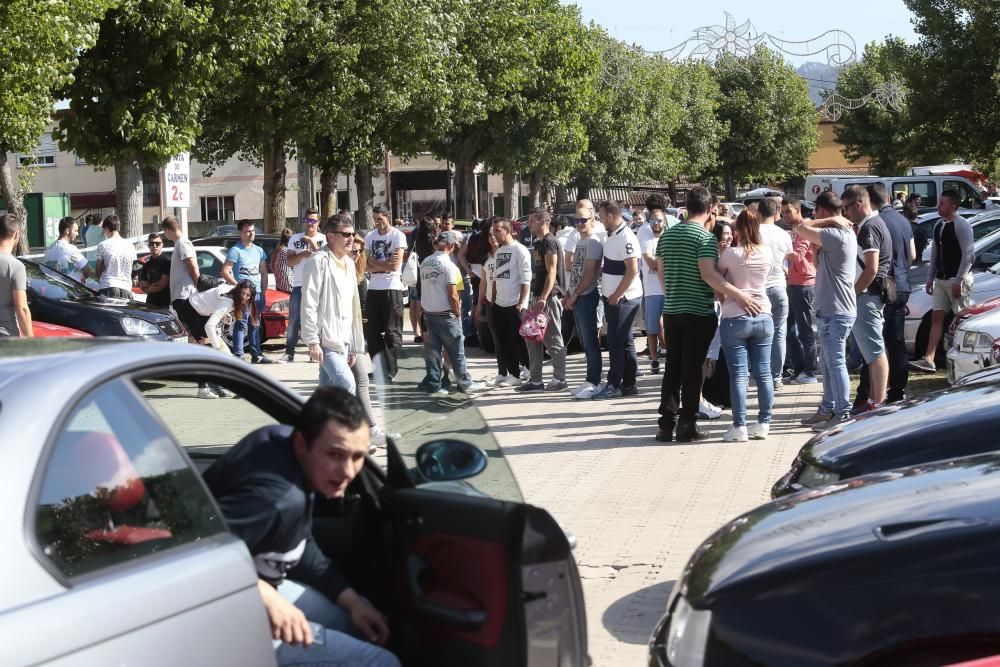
x=263 y=497
x=154 y=269
x=539 y=271
x=873 y=234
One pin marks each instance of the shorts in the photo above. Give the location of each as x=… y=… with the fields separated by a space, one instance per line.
x=653 y=311
x=868 y=327
x=943 y=300
x=414 y=294
x=192 y=320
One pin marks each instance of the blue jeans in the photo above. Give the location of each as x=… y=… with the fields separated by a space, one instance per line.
x=342 y=647
x=335 y=371
x=833 y=332
x=801 y=346
x=294 y=317
x=749 y=338
x=585 y=314
x=622 y=362
x=445 y=330
x=240 y=329
x=779 y=315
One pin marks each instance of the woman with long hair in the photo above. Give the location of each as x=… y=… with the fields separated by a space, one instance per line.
x=747 y=338
x=423 y=245
x=279 y=264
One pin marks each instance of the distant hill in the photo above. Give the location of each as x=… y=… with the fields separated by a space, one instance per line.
x=820 y=77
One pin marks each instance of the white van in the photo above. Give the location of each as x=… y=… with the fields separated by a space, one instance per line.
x=928 y=187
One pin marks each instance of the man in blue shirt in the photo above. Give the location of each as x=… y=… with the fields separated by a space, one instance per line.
x=247 y=261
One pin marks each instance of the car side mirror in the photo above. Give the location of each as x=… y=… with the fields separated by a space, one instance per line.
x=449 y=460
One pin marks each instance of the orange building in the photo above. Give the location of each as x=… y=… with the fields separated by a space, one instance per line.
x=829 y=157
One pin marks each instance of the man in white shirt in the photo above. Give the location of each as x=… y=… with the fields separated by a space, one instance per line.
x=622 y=290
x=512 y=280
x=115 y=257
x=301 y=247
x=780 y=243
x=64 y=256
x=331 y=306
x=384 y=329
x=439 y=278
x=648 y=237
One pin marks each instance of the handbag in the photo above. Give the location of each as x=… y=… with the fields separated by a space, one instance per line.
x=533 y=325
x=411 y=270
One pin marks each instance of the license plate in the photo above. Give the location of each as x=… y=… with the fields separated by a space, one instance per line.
x=179 y=339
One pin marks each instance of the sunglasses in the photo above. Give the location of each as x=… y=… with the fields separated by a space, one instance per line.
x=155 y=243
x=346 y=235
x=311 y=221
x=581 y=221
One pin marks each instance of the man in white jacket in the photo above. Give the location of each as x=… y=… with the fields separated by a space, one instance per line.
x=332 y=325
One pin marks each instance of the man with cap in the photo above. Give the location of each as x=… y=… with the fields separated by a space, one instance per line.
x=301 y=247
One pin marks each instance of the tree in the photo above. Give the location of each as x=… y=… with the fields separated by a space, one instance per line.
x=882 y=134
x=39 y=53
x=772 y=122
x=137 y=93
x=701 y=130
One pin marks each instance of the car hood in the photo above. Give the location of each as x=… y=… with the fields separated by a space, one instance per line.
x=136 y=309
x=835 y=534
x=939 y=425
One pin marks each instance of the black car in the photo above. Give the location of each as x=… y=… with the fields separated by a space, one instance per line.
x=941 y=425
x=895 y=568
x=269 y=242
x=58 y=299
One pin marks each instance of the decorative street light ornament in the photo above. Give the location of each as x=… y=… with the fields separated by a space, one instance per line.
x=887 y=95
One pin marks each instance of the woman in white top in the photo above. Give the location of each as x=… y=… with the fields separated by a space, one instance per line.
x=484 y=307
x=746 y=337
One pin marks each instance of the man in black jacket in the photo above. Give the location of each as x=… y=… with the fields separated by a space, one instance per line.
x=265 y=486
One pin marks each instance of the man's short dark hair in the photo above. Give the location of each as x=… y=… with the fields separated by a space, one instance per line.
x=243 y=224
x=829 y=201
x=347 y=212
x=910 y=211
x=540 y=213
x=792 y=202
x=330 y=403
x=767 y=208
x=447 y=215
x=913 y=196
x=8 y=226
x=311 y=211
x=855 y=193
x=610 y=207
x=338 y=222
x=112 y=223
x=381 y=209
x=699 y=201
x=170 y=223
x=505 y=224
x=877 y=195
x=953 y=195
x=65 y=224
x=715 y=200
x=154 y=236
x=658 y=202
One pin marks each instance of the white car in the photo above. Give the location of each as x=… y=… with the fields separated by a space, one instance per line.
x=977 y=341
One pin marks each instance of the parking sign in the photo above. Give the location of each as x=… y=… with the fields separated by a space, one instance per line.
x=177 y=178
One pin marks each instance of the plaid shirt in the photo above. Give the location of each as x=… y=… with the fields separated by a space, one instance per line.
x=281 y=272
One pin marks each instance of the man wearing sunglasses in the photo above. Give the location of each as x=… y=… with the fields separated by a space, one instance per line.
x=154 y=276
x=301 y=247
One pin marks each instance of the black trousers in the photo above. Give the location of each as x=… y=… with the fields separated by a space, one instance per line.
x=384 y=328
x=895 y=351
x=688 y=340
x=512 y=352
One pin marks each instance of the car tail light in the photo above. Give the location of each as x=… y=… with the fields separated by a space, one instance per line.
x=279 y=307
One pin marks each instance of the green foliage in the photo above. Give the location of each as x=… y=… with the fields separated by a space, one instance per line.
x=701 y=130
x=772 y=122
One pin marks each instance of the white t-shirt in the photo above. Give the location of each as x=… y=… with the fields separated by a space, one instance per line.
x=780 y=243
x=651 y=285
x=620 y=246
x=66 y=258
x=437 y=272
x=382 y=247
x=296 y=244
x=118 y=256
x=489 y=268
x=513 y=270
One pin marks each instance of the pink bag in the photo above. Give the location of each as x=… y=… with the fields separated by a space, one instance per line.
x=533 y=325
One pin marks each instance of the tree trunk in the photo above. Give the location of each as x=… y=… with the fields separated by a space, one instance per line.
x=328 y=192
x=364 y=177
x=13 y=199
x=582 y=192
x=306 y=197
x=730 y=185
x=673 y=192
x=510 y=202
x=275 y=171
x=128 y=196
x=465 y=175
x=562 y=195
x=535 y=194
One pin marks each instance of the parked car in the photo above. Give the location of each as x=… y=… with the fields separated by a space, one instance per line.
x=117 y=544
x=983 y=224
x=894 y=568
x=55 y=298
x=46 y=330
x=975 y=310
x=985 y=376
x=908 y=433
x=975 y=340
x=266 y=241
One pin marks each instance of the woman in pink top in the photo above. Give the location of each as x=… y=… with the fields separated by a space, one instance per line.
x=744 y=337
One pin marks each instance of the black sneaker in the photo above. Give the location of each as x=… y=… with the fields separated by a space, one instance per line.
x=630 y=391
x=530 y=386
x=654 y=366
x=665 y=435
x=262 y=360
x=689 y=432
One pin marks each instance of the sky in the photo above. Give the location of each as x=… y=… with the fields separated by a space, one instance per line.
x=662 y=24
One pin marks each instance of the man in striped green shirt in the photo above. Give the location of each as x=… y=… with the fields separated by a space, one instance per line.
x=686 y=256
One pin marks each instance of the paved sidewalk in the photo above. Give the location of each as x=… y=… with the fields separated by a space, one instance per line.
x=638 y=508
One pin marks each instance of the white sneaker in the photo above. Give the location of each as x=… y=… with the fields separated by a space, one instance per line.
x=473 y=388
x=495 y=381
x=580 y=387
x=377 y=438
x=587 y=392
x=525 y=374
x=440 y=392
x=710 y=411
x=509 y=381
x=758 y=431
x=284 y=359
x=205 y=392
x=736 y=434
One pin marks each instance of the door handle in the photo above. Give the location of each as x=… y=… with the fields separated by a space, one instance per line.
x=467 y=619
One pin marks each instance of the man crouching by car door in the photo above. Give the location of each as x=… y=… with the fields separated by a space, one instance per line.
x=265 y=486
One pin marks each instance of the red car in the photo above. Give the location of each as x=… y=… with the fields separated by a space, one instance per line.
x=45 y=330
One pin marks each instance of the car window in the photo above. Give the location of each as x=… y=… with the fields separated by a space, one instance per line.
x=116 y=488
x=54 y=285
x=209 y=264
x=970 y=199
x=926 y=189
x=984 y=229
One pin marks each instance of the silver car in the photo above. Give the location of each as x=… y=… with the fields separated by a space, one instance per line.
x=116 y=553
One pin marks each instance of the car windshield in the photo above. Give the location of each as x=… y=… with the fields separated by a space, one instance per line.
x=54 y=285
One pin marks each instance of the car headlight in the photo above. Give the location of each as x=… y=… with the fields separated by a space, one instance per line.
x=278 y=306
x=995 y=352
x=136 y=327
x=688 y=635
x=813 y=476
x=976 y=341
